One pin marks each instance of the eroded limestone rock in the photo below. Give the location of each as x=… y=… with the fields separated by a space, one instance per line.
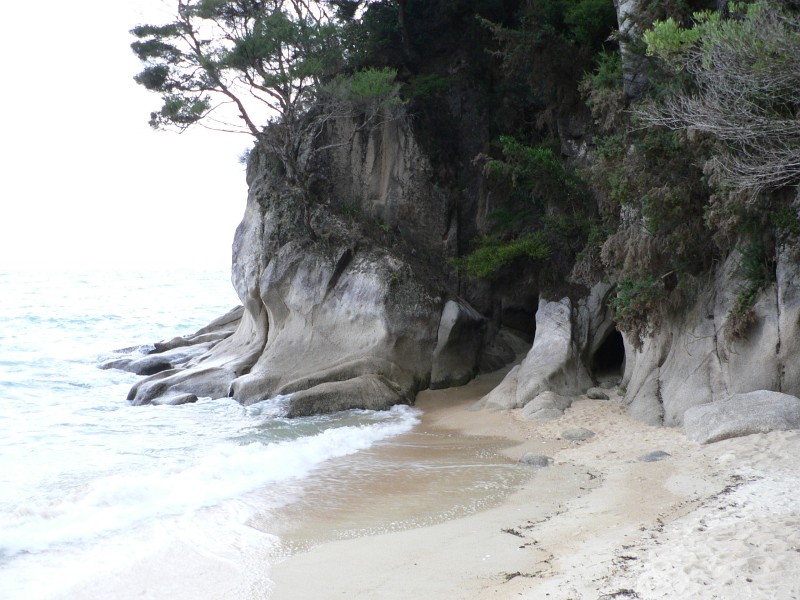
x=178 y=351
x=335 y=316
x=552 y=364
x=175 y=400
x=547 y=405
x=691 y=360
x=459 y=340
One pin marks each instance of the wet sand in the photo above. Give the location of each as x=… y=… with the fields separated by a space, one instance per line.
x=719 y=521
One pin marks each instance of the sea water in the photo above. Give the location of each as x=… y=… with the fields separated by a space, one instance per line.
x=90 y=485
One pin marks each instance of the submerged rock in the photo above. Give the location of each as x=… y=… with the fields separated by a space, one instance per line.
x=761 y=411
x=371 y=392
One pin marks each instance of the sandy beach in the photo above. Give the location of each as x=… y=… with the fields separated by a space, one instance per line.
x=604 y=520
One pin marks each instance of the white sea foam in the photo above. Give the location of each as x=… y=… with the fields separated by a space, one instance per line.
x=226 y=470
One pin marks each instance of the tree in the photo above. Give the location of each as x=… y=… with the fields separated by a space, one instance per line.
x=745 y=90
x=269 y=60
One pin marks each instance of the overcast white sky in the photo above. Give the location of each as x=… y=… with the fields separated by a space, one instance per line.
x=84 y=181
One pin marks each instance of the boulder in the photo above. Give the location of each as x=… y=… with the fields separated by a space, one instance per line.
x=175 y=400
x=596 y=393
x=761 y=411
x=371 y=392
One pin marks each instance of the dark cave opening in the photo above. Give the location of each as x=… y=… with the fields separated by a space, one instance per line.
x=609 y=358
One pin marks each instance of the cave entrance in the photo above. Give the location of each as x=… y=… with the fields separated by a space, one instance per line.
x=608 y=362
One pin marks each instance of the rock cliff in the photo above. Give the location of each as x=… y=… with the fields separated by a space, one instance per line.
x=350 y=298
x=348 y=302
x=347 y=298
x=693 y=360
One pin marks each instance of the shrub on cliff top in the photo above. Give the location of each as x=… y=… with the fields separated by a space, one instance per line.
x=255 y=68
x=745 y=90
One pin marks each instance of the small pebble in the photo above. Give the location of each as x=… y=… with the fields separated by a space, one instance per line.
x=577 y=435
x=535 y=460
x=654 y=456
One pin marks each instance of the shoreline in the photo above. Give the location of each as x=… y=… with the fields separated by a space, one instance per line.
x=599 y=522
x=430 y=475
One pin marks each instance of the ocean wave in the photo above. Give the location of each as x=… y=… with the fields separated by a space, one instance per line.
x=213 y=475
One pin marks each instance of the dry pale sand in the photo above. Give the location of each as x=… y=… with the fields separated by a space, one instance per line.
x=719 y=521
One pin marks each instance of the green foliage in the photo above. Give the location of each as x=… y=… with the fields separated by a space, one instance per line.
x=536 y=175
x=608 y=70
x=786 y=222
x=636 y=300
x=588 y=267
x=654 y=173
x=542 y=221
x=671 y=42
x=265 y=60
x=755 y=268
x=371 y=84
x=652 y=201
x=429 y=85
x=589 y=22
x=180 y=110
x=742 y=90
x=536 y=170
x=492 y=254
x=742 y=314
x=551 y=47
x=758 y=273
x=603 y=91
